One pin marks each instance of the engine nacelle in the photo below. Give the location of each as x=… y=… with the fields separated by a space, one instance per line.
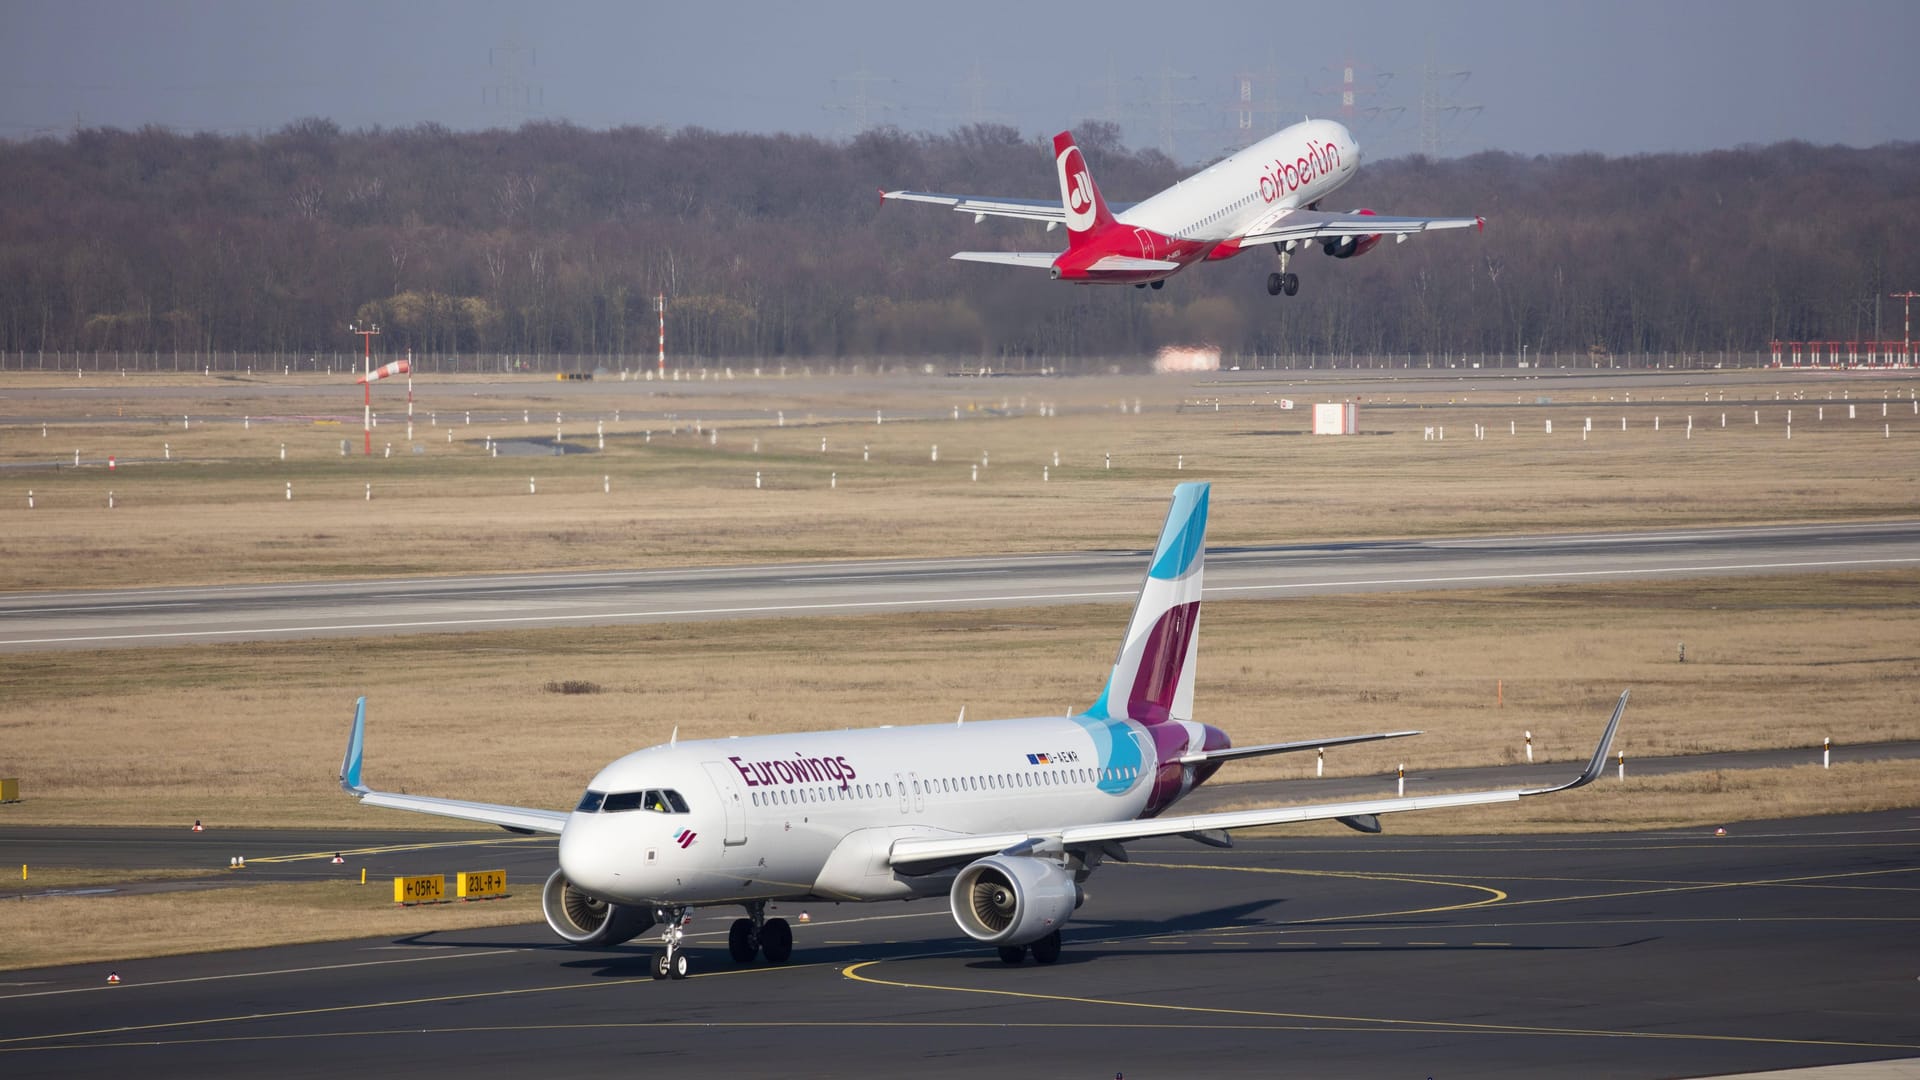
x=1346 y=247
x=1012 y=900
x=589 y=920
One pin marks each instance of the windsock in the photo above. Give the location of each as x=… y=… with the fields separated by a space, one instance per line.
x=387 y=371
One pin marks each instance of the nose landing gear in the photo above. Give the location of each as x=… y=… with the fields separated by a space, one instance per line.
x=671 y=961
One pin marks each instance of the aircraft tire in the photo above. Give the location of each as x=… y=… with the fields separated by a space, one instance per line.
x=678 y=969
x=661 y=965
x=1012 y=954
x=1047 y=949
x=1292 y=284
x=776 y=941
x=740 y=943
x=1275 y=283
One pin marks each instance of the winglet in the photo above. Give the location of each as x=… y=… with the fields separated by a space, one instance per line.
x=1600 y=753
x=350 y=764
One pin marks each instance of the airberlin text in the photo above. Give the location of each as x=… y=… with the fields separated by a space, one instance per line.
x=801 y=770
x=1282 y=177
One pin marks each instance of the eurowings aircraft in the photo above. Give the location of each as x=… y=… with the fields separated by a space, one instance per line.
x=1005 y=818
x=1269 y=193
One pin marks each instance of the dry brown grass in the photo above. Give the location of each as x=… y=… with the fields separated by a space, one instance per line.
x=42 y=931
x=252 y=734
x=218 y=511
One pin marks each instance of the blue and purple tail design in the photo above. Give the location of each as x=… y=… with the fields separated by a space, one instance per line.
x=1152 y=679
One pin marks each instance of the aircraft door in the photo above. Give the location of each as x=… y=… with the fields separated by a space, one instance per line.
x=1148 y=250
x=726 y=785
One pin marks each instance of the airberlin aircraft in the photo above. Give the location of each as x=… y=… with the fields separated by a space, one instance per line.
x=1005 y=818
x=1269 y=193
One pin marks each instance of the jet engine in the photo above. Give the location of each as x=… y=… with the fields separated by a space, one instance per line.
x=589 y=920
x=1346 y=247
x=1013 y=900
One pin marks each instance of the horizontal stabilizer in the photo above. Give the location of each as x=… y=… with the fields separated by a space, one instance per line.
x=1129 y=262
x=1037 y=260
x=1232 y=752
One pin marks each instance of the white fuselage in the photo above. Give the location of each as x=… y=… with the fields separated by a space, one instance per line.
x=815 y=814
x=1237 y=195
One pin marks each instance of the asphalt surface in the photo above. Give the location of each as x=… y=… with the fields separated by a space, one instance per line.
x=159 y=616
x=1631 y=955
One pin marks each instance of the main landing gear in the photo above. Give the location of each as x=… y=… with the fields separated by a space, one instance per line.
x=1284 y=281
x=1160 y=283
x=756 y=933
x=1045 y=951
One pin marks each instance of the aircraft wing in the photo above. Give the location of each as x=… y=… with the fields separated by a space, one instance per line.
x=1047 y=210
x=519 y=819
x=916 y=855
x=1322 y=224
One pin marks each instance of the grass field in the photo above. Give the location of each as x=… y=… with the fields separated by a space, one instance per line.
x=252 y=733
x=218 y=511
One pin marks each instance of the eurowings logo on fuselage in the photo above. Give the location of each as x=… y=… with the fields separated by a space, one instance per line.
x=685 y=838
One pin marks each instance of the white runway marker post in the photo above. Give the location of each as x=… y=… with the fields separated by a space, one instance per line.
x=1401 y=786
x=1529 y=747
x=976 y=473
x=756 y=481
x=289 y=491
x=1320 y=762
x=369 y=492
x=1623 y=765
x=1826 y=753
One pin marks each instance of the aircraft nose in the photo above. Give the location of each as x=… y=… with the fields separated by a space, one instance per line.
x=586 y=856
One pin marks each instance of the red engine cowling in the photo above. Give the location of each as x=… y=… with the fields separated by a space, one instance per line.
x=1346 y=247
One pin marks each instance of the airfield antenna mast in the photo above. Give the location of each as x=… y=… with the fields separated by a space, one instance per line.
x=1906 y=343
x=367 y=334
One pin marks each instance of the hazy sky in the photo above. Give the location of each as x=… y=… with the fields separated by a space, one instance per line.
x=1616 y=77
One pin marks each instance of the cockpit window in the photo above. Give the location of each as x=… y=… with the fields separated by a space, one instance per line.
x=658 y=801
x=590 y=802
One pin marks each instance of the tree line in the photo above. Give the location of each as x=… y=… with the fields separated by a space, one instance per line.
x=556 y=239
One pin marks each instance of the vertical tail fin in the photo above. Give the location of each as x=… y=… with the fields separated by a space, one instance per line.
x=1152 y=679
x=1086 y=210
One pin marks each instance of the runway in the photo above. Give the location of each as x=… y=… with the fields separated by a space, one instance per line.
x=1631 y=955
x=122 y=618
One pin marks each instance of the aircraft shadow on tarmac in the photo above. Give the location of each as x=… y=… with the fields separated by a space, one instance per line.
x=1116 y=937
